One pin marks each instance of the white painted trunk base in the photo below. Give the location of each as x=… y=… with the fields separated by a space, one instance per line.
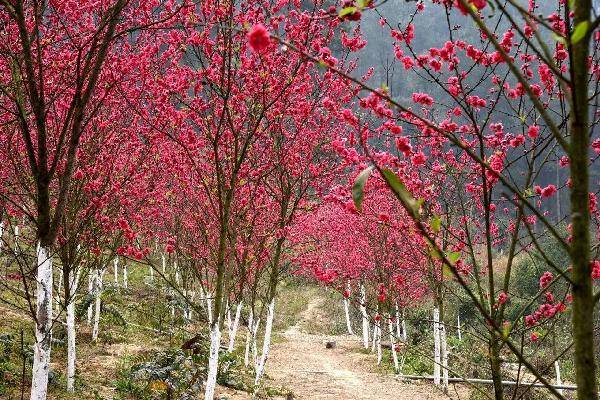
x=116 y=270
x=234 y=327
x=71 y=333
x=266 y=343
x=98 y=293
x=365 y=317
x=250 y=329
x=393 y=344
x=437 y=359
x=213 y=361
x=41 y=349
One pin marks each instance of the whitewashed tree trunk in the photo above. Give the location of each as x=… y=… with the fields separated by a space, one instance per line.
x=164 y=264
x=436 y=347
x=398 y=330
x=213 y=361
x=1 y=234
x=234 y=327
x=458 y=327
x=57 y=297
x=91 y=284
x=190 y=309
x=151 y=271
x=71 y=334
x=558 y=380
x=98 y=293
x=255 y=343
x=116 y=270
x=379 y=354
x=266 y=343
x=393 y=344
x=404 y=332
x=16 y=234
x=444 y=350
x=347 y=311
x=249 y=338
x=374 y=341
x=365 y=317
x=177 y=277
x=125 y=277
x=41 y=349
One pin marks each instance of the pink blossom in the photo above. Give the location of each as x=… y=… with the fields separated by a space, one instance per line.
x=258 y=38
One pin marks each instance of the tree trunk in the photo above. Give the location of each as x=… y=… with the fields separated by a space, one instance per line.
x=213 y=361
x=116 y=270
x=1 y=234
x=496 y=364
x=91 y=284
x=266 y=343
x=583 y=301
x=458 y=328
x=365 y=317
x=41 y=350
x=249 y=338
x=71 y=334
x=393 y=345
x=97 y=293
x=437 y=359
x=234 y=327
x=347 y=313
x=125 y=279
x=444 y=351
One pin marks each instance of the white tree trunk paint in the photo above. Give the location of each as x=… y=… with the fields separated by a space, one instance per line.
x=234 y=328
x=177 y=277
x=116 y=270
x=41 y=349
x=436 y=347
x=444 y=350
x=254 y=343
x=347 y=310
x=190 y=309
x=151 y=273
x=398 y=330
x=213 y=361
x=91 y=284
x=164 y=264
x=125 y=280
x=71 y=334
x=266 y=343
x=374 y=338
x=558 y=380
x=97 y=292
x=404 y=332
x=1 y=234
x=365 y=317
x=249 y=338
x=57 y=297
x=393 y=344
x=379 y=354
x=458 y=327
x=16 y=232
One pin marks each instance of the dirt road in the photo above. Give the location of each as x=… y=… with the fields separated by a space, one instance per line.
x=303 y=364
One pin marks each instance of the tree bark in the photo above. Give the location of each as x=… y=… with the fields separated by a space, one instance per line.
x=41 y=350
x=583 y=301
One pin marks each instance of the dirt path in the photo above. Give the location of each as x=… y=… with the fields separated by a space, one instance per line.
x=311 y=371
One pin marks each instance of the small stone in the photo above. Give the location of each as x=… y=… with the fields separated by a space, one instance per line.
x=329 y=344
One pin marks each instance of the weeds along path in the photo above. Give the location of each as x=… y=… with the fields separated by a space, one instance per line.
x=302 y=364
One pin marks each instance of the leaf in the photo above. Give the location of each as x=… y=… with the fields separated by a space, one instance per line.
x=358 y=188
x=435 y=223
x=402 y=193
x=580 y=31
x=363 y=3
x=453 y=256
x=347 y=11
